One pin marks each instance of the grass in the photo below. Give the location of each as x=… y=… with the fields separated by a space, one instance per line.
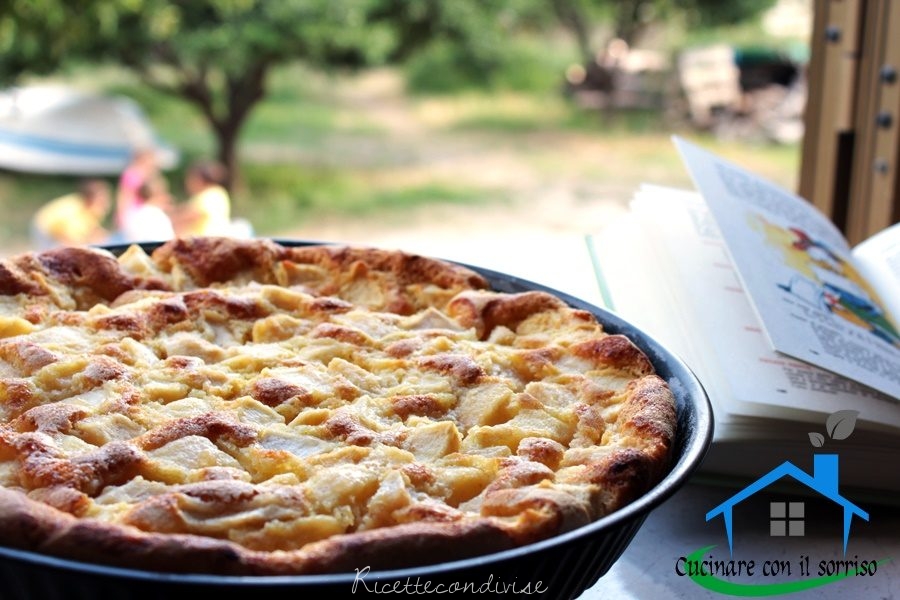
x=637 y=141
x=303 y=109
x=513 y=114
x=290 y=194
x=325 y=146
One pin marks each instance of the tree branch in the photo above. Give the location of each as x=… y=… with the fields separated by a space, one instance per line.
x=572 y=17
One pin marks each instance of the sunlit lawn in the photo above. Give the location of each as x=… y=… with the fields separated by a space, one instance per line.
x=359 y=147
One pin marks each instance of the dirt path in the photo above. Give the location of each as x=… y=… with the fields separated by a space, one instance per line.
x=545 y=176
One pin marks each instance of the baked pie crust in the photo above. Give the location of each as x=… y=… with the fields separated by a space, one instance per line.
x=240 y=407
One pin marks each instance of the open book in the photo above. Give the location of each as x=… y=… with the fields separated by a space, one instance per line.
x=762 y=297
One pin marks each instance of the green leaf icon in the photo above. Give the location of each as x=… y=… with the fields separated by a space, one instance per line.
x=841 y=424
x=817 y=439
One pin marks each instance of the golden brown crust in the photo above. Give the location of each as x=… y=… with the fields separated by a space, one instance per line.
x=378 y=279
x=14 y=279
x=87 y=275
x=485 y=311
x=614 y=351
x=649 y=418
x=33 y=526
x=216 y=260
x=92 y=275
x=340 y=271
x=240 y=407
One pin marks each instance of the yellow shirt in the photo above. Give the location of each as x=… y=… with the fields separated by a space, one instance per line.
x=67 y=219
x=214 y=206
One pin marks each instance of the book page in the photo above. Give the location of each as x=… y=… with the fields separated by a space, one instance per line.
x=878 y=259
x=751 y=378
x=799 y=275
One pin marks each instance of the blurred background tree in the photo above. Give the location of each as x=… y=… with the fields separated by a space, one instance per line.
x=217 y=54
x=630 y=19
x=37 y=36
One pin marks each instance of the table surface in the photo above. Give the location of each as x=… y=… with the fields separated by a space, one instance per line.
x=647 y=569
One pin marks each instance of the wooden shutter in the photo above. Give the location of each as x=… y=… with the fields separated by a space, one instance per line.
x=849 y=166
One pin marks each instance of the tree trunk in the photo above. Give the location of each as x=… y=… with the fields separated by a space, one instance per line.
x=572 y=17
x=237 y=99
x=226 y=137
x=629 y=20
x=242 y=93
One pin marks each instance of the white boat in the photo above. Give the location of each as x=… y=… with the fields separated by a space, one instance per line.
x=61 y=130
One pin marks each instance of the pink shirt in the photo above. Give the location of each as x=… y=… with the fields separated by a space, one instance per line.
x=129 y=184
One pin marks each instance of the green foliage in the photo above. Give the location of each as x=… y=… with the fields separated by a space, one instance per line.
x=441 y=68
x=477 y=45
x=522 y=63
x=36 y=35
x=531 y=65
x=629 y=19
x=714 y=13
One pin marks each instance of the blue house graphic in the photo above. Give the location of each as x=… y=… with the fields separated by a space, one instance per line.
x=824 y=480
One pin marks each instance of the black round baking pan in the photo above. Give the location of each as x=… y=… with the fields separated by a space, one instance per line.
x=559 y=568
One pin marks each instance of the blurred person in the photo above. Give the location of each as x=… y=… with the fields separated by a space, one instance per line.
x=208 y=208
x=150 y=221
x=73 y=219
x=142 y=168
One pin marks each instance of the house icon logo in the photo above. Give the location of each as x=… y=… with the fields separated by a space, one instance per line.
x=729 y=577
x=824 y=481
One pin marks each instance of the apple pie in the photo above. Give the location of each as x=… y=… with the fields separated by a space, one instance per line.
x=244 y=407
